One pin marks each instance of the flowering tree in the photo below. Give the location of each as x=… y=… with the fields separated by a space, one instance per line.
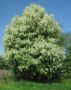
x=31 y=44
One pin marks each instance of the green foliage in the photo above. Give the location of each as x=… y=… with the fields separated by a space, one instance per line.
x=31 y=43
x=2 y=63
x=67 y=64
x=65 y=39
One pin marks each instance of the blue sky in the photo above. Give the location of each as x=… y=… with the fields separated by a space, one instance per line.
x=9 y=8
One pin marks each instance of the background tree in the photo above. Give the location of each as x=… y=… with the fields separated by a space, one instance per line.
x=67 y=61
x=31 y=44
x=67 y=64
x=65 y=39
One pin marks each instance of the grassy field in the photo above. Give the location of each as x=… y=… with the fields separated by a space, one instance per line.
x=29 y=85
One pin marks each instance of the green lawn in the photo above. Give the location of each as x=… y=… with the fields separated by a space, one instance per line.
x=29 y=85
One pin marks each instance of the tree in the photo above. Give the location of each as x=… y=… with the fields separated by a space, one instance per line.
x=31 y=44
x=65 y=40
x=67 y=64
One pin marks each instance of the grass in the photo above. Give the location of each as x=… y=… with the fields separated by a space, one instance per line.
x=29 y=85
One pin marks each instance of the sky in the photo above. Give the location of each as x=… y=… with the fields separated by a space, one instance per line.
x=9 y=8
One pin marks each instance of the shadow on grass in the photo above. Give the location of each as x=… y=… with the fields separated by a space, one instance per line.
x=42 y=81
